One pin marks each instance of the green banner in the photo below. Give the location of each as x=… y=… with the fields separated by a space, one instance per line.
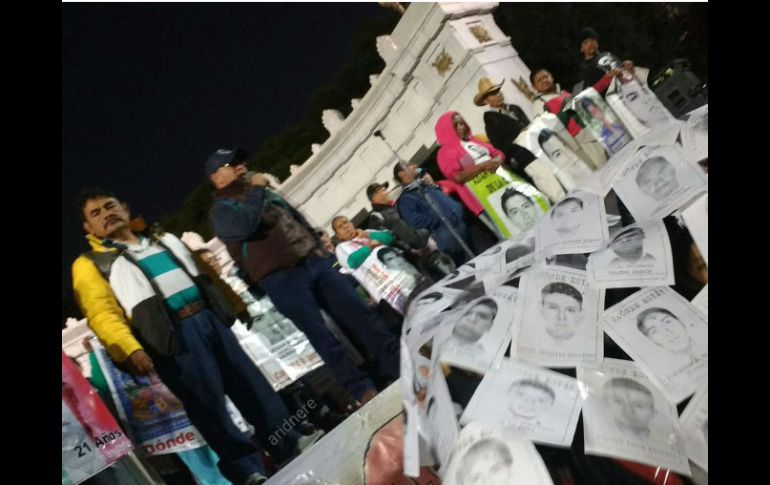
x=513 y=205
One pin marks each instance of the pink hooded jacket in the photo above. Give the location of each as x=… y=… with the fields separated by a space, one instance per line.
x=452 y=158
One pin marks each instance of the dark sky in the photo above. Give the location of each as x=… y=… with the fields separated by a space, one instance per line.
x=150 y=90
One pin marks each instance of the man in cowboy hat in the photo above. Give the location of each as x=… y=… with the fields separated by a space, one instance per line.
x=502 y=124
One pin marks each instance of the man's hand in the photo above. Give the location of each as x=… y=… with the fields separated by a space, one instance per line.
x=140 y=363
x=258 y=180
x=428 y=180
x=373 y=243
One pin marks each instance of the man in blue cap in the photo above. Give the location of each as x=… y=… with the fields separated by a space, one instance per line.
x=278 y=250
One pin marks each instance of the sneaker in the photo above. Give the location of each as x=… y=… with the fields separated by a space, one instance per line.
x=305 y=442
x=255 y=479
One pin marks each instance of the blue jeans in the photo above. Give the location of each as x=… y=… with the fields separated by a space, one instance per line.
x=448 y=244
x=209 y=364
x=301 y=291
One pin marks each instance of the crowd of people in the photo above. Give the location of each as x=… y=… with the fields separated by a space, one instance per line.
x=158 y=309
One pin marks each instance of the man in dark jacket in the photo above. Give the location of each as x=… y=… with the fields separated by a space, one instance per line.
x=384 y=216
x=425 y=206
x=502 y=124
x=276 y=248
x=597 y=65
x=413 y=242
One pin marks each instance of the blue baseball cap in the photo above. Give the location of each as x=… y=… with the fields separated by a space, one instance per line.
x=224 y=156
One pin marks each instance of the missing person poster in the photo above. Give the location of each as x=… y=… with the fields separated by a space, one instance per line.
x=489 y=456
x=476 y=338
x=91 y=439
x=513 y=205
x=666 y=336
x=637 y=255
x=601 y=121
x=701 y=300
x=658 y=181
x=156 y=418
x=625 y=416
x=695 y=427
x=548 y=139
x=279 y=349
x=637 y=106
x=515 y=257
x=440 y=418
x=695 y=134
x=576 y=224
x=539 y=404
x=557 y=323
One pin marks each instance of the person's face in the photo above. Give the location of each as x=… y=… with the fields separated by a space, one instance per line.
x=566 y=217
x=412 y=170
x=628 y=244
x=528 y=401
x=461 y=128
x=631 y=408
x=696 y=266
x=380 y=196
x=641 y=106
x=596 y=112
x=475 y=323
x=560 y=154
x=589 y=47
x=657 y=179
x=394 y=261
x=344 y=229
x=488 y=468
x=562 y=314
x=666 y=331
x=495 y=100
x=521 y=211
x=105 y=216
x=227 y=174
x=209 y=258
x=327 y=242
x=423 y=302
x=543 y=81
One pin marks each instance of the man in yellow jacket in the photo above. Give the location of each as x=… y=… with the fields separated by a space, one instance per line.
x=154 y=311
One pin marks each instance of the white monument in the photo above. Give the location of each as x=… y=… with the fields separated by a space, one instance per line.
x=434 y=59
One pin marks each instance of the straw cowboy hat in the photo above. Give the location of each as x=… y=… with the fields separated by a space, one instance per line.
x=485 y=87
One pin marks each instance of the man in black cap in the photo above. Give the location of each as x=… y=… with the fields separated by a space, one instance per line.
x=413 y=241
x=597 y=65
x=276 y=249
x=384 y=216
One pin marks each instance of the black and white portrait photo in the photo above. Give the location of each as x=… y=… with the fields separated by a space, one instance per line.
x=558 y=320
x=666 y=336
x=658 y=181
x=575 y=224
x=538 y=403
x=625 y=416
x=637 y=255
x=487 y=456
x=479 y=332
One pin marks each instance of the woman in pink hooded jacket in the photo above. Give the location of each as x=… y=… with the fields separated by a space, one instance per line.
x=462 y=157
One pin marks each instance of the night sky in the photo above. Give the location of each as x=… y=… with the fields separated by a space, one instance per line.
x=150 y=90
